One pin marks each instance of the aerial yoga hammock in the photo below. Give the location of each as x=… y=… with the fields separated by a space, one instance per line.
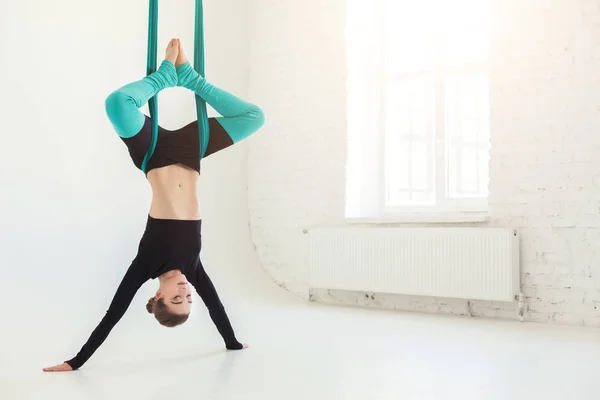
x=171 y=245
x=151 y=146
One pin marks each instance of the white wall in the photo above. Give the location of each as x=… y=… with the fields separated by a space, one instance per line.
x=545 y=176
x=73 y=204
x=296 y=166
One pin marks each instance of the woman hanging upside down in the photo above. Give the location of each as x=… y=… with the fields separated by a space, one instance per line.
x=169 y=249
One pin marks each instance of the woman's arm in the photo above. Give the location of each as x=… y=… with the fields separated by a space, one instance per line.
x=131 y=282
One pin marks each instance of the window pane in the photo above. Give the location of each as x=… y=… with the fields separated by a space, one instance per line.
x=467 y=134
x=411 y=167
x=398 y=164
x=421 y=109
x=409 y=139
x=483 y=168
x=420 y=164
x=468 y=90
x=410 y=174
x=467 y=131
x=468 y=170
x=397 y=110
x=467 y=106
x=398 y=198
x=410 y=107
x=414 y=31
x=467 y=30
x=404 y=198
x=421 y=198
x=409 y=35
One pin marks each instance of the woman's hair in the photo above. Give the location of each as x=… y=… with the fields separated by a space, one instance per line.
x=162 y=314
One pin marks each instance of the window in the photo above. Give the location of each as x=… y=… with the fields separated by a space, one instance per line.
x=418 y=106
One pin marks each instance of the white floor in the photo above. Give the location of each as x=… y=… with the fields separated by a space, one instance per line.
x=307 y=351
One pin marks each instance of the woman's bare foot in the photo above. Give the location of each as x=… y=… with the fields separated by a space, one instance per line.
x=59 y=368
x=181 y=58
x=244 y=346
x=172 y=51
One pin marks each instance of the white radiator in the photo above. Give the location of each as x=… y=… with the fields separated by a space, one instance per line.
x=464 y=263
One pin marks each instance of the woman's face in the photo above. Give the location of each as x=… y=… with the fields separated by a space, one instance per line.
x=176 y=294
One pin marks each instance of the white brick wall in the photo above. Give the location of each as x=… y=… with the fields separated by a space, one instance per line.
x=545 y=173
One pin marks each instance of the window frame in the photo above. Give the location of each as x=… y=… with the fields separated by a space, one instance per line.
x=366 y=186
x=442 y=203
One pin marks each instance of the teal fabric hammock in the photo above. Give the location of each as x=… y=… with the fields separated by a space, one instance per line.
x=151 y=66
